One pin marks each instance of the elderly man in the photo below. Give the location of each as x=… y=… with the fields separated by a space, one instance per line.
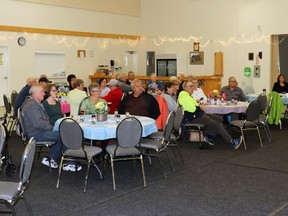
x=114 y=96
x=139 y=102
x=122 y=78
x=30 y=81
x=232 y=91
x=194 y=113
x=37 y=125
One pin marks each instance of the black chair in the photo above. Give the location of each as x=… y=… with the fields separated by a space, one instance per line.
x=262 y=121
x=127 y=147
x=74 y=150
x=39 y=145
x=249 y=124
x=12 y=192
x=153 y=147
x=9 y=115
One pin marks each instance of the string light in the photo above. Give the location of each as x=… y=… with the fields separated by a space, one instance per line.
x=103 y=43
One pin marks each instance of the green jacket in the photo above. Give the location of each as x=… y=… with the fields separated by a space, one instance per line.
x=277 y=108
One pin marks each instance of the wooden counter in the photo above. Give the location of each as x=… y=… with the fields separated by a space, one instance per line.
x=208 y=82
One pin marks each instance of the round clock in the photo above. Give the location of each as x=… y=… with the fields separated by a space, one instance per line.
x=21 y=41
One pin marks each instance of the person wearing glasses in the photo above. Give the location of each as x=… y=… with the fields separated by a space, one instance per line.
x=232 y=91
x=194 y=113
x=198 y=93
x=51 y=104
x=88 y=104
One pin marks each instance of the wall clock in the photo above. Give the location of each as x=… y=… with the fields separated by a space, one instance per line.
x=21 y=41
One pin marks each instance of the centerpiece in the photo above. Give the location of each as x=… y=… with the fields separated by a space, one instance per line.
x=101 y=110
x=62 y=93
x=214 y=97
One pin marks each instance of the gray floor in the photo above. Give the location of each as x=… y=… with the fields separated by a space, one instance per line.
x=221 y=181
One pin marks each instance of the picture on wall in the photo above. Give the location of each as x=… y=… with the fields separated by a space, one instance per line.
x=196 y=58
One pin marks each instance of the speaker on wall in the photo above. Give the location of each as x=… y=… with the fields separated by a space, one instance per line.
x=112 y=63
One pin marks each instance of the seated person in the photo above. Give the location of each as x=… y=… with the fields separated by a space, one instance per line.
x=131 y=77
x=198 y=93
x=139 y=102
x=30 y=81
x=122 y=78
x=43 y=81
x=232 y=91
x=75 y=96
x=103 y=87
x=37 y=125
x=88 y=103
x=51 y=104
x=170 y=91
x=70 y=79
x=153 y=85
x=281 y=86
x=114 y=96
x=194 y=113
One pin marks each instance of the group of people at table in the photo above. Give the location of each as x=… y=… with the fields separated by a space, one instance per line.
x=41 y=109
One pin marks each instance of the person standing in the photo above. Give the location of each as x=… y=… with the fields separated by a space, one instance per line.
x=75 y=96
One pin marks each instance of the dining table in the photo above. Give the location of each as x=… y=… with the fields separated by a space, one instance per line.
x=104 y=130
x=226 y=108
x=284 y=97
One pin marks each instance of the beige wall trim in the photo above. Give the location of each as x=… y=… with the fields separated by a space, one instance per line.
x=68 y=33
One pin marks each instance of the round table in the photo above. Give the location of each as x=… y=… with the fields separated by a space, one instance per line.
x=107 y=129
x=223 y=108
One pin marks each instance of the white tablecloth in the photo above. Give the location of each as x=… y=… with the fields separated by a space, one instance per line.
x=107 y=129
x=251 y=97
x=223 y=108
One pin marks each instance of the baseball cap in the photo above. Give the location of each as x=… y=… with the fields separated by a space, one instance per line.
x=113 y=82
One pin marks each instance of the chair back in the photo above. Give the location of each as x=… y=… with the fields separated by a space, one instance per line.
x=13 y=97
x=27 y=162
x=253 y=111
x=178 y=119
x=71 y=134
x=169 y=126
x=79 y=108
x=129 y=132
x=7 y=104
x=262 y=98
x=2 y=138
x=22 y=128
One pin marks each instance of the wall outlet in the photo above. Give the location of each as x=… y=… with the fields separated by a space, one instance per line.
x=256 y=70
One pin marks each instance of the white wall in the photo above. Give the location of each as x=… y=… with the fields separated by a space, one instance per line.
x=210 y=21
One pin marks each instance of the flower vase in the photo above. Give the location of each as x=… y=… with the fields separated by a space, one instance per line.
x=102 y=117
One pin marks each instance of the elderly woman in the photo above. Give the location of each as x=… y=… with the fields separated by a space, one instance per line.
x=103 y=87
x=170 y=91
x=88 y=103
x=76 y=96
x=51 y=104
x=153 y=85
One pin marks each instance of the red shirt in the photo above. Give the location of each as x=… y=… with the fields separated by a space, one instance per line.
x=114 y=97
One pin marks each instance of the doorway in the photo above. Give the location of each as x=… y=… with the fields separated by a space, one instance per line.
x=3 y=72
x=167 y=67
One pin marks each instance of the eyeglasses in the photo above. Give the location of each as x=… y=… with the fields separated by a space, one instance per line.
x=232 y=80
x=54 y=90
x=95 y=90
x=191 y=86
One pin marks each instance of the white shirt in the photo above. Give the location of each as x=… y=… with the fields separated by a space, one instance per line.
x=197 y=94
